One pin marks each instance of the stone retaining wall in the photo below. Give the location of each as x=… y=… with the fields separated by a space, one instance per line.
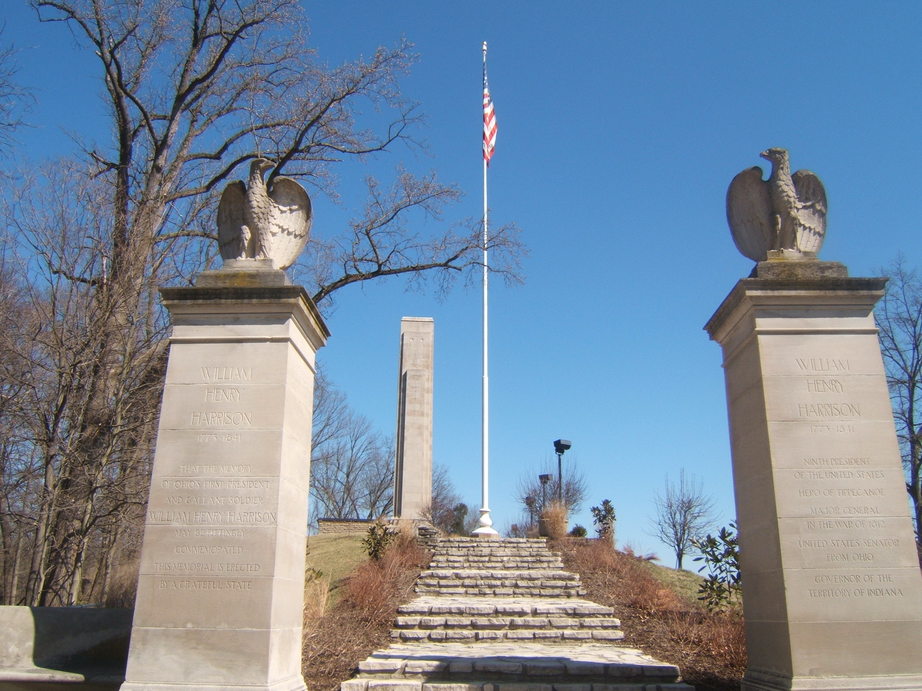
x=332 y=526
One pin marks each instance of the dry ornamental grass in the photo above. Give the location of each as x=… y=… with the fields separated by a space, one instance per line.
x=709 y=648
x=337 y=638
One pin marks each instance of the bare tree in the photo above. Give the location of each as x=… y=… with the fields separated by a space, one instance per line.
x=86 y=393
x=535 y=496
x=683 y=513
x=447 y=511
x=198 y=89
x=899 y=323
x=352 y=466
x=14 y=98
x=194 y=90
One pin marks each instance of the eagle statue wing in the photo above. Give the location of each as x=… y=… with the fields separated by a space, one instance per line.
x=749 y=214
x=811 y=211
x=232 y=238
x=290 y=223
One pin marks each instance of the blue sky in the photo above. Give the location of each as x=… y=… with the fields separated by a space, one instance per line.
x=620 y=127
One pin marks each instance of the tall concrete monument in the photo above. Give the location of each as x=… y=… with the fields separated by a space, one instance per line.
x=832 y=587
x=413 y=472
x=220 y=594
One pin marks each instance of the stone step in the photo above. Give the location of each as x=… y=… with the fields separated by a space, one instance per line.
x=505 y=542
x=494 y=567
x=472 y=558
x=501 y=622
x=463 y=558
x=480 y=547
x=534 y=583
x=492 y=665
x=534 y=589
x=542 y=634
x=437 y=619
x=503 y=574
x=493 y=561
x=502 y=607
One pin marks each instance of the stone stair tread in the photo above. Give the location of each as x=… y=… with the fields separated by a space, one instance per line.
x=503 y=592
x=574 y=636
x=529 y=662
x=524 y=573
x=500 y=621
x=429 y=605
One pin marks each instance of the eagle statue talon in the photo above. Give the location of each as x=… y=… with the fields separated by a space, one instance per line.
x=256 y=222
x=786 y=213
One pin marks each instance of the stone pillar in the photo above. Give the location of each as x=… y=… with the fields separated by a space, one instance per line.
x=220 y=595
x=413 y=472
x=831 y=584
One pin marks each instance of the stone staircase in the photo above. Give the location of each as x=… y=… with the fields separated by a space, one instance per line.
x=501 y=614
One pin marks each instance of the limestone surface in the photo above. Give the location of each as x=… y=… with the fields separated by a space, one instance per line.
x=473 y=629
x=221 y=586
x=832 y=589
x=413 y=472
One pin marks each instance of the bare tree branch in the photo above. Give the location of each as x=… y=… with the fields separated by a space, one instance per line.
x=899 y=323
x=683 y=514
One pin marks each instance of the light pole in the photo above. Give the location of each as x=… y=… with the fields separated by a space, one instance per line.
x=560 y=445
x=545 y=478
x=530 y=503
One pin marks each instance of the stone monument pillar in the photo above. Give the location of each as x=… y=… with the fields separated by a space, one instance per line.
x=221 y=584
x=831 y=584
x=832 y=592
x=413 y=472
x=221 y=588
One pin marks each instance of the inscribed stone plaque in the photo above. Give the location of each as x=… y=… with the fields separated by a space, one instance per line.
x=831 y=581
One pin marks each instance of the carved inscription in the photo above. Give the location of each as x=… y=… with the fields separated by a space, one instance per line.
x=227 y=374
x=841 y=499
x=855 y=585
x=213 y=507
x=823 y=364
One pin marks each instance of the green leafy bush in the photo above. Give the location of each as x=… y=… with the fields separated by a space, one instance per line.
x=603 y=517
x=378 y=538
x=722 y=589
x=577 y=531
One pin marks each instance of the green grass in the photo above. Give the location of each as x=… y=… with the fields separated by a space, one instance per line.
x=335 y=556
x=683 y=583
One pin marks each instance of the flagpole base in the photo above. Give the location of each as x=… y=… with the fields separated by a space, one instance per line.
x=486 y=525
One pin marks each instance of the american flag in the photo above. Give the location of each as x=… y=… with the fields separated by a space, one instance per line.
x=489 y=118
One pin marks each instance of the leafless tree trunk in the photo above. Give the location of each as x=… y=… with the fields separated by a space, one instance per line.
x=899 y=321
x=683 y=514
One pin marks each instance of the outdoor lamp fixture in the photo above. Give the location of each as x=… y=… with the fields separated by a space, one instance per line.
x=560 y=445
x=545 y=478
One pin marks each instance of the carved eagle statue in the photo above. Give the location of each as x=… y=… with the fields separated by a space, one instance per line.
x=256 y=222
x=785 y=212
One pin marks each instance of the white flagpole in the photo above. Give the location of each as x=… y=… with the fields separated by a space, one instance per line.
x=486 y=523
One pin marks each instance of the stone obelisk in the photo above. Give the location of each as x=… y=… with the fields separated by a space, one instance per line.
x=831 y=585
x=413 y=472
x=220 y=595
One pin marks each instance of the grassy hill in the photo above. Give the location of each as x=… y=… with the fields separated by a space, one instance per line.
x=334 y=557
